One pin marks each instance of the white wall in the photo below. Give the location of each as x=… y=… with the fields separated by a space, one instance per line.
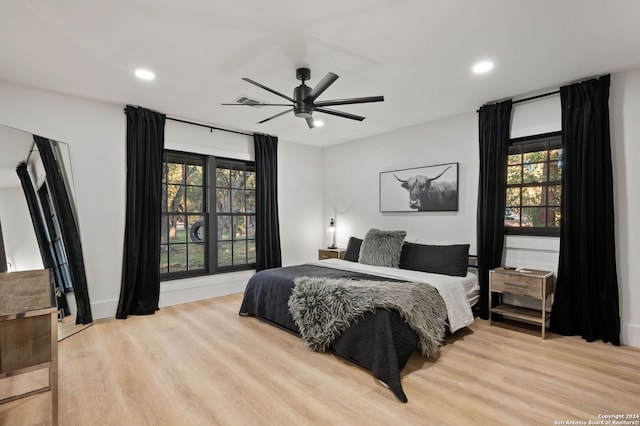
x=96 y=132
x=351 y=181
x=624 y=106
x=20 y=242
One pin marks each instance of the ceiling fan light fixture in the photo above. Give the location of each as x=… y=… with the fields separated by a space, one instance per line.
x=318 y=123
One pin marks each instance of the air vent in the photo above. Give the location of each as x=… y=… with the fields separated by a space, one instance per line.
x=245 y=100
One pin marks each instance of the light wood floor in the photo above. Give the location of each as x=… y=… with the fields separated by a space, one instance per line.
x=202 y=364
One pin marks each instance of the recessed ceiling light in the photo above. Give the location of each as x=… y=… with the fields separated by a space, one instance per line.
x=318 y=123
x=482 y=67
x=143 y=74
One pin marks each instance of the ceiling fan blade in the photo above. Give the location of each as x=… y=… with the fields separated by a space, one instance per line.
x=349 y=101
x=340 y=113
x=259 y=105
x=310 y=122
x=275 y=116
x=248 y=80
x=321 y=87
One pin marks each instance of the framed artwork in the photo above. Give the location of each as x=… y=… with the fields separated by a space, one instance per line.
x=429 y=188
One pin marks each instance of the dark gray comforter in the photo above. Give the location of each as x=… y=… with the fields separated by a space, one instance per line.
x=381 y=341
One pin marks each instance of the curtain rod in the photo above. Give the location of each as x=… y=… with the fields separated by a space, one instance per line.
x=530 y=98
x=211 y=128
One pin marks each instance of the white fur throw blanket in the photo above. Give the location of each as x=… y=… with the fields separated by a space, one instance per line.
x=323 y=308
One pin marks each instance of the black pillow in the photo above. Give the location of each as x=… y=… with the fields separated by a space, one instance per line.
x=353 y=249
x=446 y=260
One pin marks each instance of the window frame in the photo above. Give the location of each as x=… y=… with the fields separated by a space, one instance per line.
x=187 y=157
x=553 y=140
x=213 y=234
x=209 y=213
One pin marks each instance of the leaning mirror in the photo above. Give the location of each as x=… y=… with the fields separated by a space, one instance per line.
x=38 y=216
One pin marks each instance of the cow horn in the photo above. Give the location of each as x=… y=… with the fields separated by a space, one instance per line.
x=432 y=179
x=403 y=181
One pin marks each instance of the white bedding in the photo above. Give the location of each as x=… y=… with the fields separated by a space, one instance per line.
x=458 y=293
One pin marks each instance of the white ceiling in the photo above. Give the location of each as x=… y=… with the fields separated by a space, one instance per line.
x=417 y=53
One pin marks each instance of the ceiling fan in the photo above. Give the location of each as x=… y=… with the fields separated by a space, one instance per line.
x=303 y=103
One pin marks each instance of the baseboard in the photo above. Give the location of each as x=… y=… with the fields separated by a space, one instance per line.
x=185 y=291
x=630 y=334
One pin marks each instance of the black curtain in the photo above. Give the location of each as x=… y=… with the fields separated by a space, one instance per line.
x=268 y=253
x=68 y=229
x=140 y=287
x=586 y=299
x=39 y=227
x=495 y=120
x=36 y=217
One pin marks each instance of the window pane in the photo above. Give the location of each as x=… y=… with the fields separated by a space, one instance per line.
x=515 y=158
x=240 y=252
x=175 y=173
x=197 y=229
x=224 y=254
x=194 y=199
x=238 y=202
x=223 y=201
x=513 y=196
x=512 y=217
x=532 y=196
x=196 y=256
x=177 y=257
x=251 y=227
x=237 y=178
x=514 y=175
x=224 y=228
x=177 y=233
x=194 y=175
x=534 y=216
x=534 y=173
x=555 y=154
x=251 y=251
x=222 y=177
x=535 y=152
x=164 y=229
x=250 y=201
x=164 y=259
x=555 y=194
x=553 y=217
x=555 y=171
x=250 y=180
x=239 y=227
x=175 y=198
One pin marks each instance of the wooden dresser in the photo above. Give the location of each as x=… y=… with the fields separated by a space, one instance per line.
x=28 y=336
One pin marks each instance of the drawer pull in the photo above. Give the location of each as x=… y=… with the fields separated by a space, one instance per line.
x=520 y=285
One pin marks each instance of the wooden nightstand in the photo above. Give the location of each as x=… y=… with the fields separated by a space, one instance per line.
x=536 y=284
x=337 y=253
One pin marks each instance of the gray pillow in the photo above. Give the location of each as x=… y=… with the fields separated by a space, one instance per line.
x=382 y=248
x=353 y=249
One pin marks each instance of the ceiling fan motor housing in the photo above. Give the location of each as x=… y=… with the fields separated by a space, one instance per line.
x=301 y=108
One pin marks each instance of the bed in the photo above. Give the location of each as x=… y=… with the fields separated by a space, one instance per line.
x=380 y=340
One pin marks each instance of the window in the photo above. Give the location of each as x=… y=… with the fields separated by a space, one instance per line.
x=182 y=250
x=197 y=191
x=534 y=189
x=235 y=214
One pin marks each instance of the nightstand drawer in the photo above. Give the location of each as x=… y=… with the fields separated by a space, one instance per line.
x=330 y=254
x=516 y=284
